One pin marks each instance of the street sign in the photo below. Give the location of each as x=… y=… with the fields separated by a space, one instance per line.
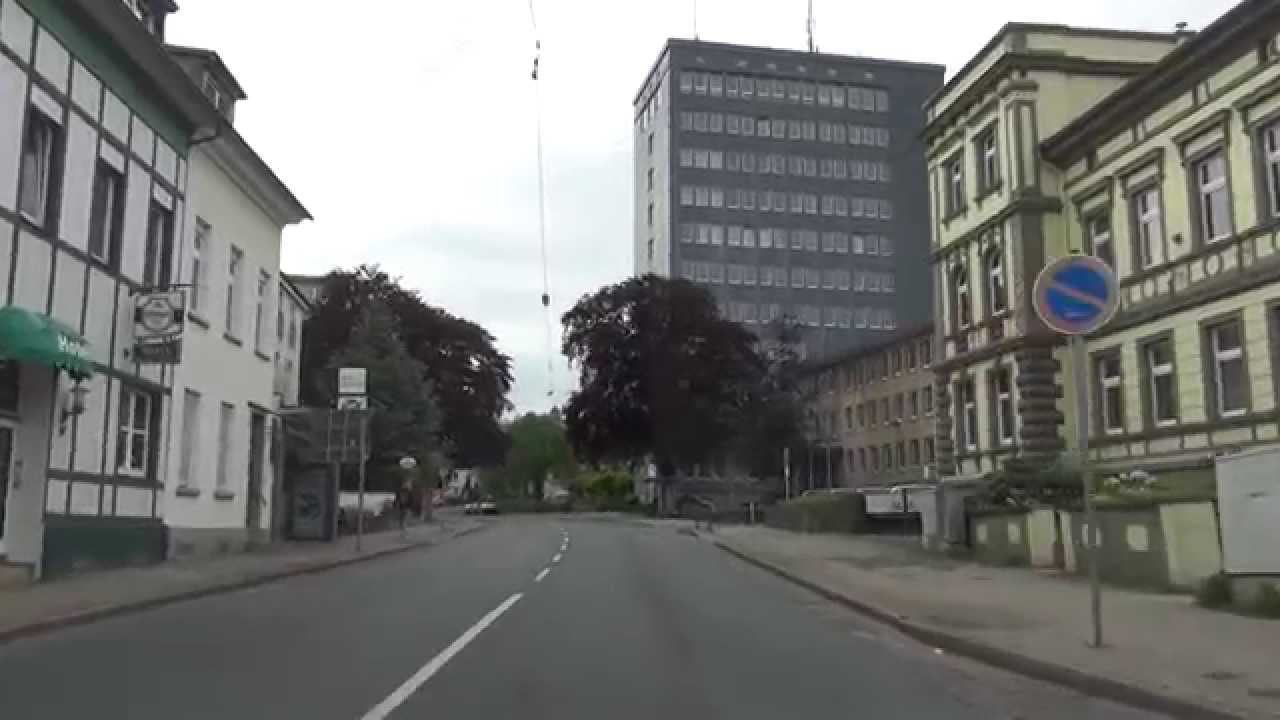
x=351 y=381
x=353 y=402
x=168 y=352
x=1076 y=295
x=159 y=314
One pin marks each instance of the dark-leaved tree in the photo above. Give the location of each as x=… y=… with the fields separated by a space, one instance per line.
x=470 y=377
x=662 y=374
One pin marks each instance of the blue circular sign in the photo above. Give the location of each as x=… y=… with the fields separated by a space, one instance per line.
x=1076 y=295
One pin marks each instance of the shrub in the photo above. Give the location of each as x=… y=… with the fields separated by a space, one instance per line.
x=819 y=514
x=1214 y=591
x=1267 y=601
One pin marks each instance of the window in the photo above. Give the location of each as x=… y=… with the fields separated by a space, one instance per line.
x=996 y=293
x=226 y=421
x=954 y=171
x=902 y=453
x=133 y=437
x=886 y=455
x=260 y=309
x=1002 y=411
x=967 y=425
x=190 y=439
x=1149 y=228
x=960 y=310
x=884 y=410
x=159 y=252
x=199 y=250
x=1100 y=246
x=928 y=450
x=1230 y=380
x=41 y=168
x=871 y=412
x=862 y=458
x=1271 y=164
x=915 y=452
x=1110 y=397
x=915 y=404
x=988 y=162
x=1161 y=392
x=899 y=405
x=233 y=288
x=106 y=219
x=1213 y=201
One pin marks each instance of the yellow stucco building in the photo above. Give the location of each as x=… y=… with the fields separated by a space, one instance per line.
x=1159 y=153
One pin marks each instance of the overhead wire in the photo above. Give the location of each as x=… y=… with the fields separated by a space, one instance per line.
x=542 y=205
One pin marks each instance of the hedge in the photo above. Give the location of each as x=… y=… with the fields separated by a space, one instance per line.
x=843 y=513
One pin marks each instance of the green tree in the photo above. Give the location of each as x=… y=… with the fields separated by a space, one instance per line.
x=538 y=446
x=405 y=416
x=772 y=416
x=661 y=373
x=470 y=376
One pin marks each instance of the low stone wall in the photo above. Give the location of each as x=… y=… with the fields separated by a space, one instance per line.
x=1000 y=537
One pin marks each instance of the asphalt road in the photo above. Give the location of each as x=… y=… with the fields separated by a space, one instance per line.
x=633 y=621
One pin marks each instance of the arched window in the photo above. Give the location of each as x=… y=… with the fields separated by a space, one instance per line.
x=996 y=289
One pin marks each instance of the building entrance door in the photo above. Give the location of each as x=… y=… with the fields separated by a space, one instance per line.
x=6 y=466
x=254 y=499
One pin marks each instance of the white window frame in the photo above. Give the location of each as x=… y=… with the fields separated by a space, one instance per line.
x=199 y=263
x=1110 y=393
x=190 y=460
x=1154 y=372
x=1149 y=227
x=36 y=183
x=1212 y=187
x=1223 y=355
x=969 y=414
x=128 y=432
x=997 y=289
x=1271 y=163
x=235 y=265
x=226 y=427
x=1004 y=401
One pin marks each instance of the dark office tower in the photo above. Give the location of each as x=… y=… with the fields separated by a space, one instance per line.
x=789 y=184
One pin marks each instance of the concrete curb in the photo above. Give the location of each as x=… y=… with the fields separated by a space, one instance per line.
x=84 y=617
x=997 y=657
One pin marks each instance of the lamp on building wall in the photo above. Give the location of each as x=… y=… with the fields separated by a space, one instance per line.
x=72 y=404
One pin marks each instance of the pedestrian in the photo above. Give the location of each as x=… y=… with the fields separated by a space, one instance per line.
x=404 y=504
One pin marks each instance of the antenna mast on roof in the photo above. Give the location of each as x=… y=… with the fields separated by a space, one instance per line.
x=809 y=28
x=695 y=19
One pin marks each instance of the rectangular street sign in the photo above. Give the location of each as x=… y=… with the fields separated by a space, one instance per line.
x=351 y=381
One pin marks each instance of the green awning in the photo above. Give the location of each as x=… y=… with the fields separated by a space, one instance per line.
x=32 y=337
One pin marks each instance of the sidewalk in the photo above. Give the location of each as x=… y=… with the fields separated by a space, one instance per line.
x=1159 y=647
x=48 y=606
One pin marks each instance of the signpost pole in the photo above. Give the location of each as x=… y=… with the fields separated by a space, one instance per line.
x=1075 y=296
x=786 y=473
x=364 y=431
x=1091 y=539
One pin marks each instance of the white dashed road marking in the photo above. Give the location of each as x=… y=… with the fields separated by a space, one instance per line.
x=410 y=686
x=542 y=574
x=556 y=559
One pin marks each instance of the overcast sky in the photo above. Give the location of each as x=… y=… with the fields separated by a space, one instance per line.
x=407 y=128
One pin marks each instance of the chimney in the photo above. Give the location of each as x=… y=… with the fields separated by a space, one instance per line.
x=1183 y=32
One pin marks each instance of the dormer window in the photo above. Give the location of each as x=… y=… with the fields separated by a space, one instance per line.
x=147 y=14
x=214 y=93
